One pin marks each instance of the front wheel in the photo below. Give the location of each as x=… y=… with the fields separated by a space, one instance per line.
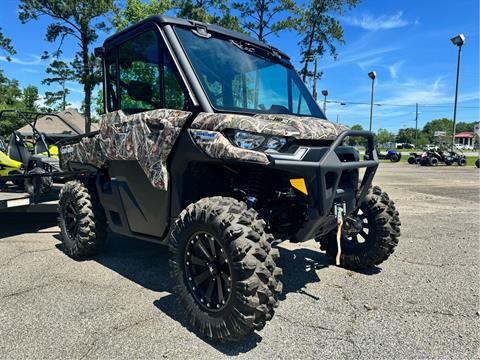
x=412 y=160
x=369 y=235
x=462 y=162
x=433 y=161
x=224 y=268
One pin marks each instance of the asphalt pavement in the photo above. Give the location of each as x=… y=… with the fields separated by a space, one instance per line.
x=422 y=303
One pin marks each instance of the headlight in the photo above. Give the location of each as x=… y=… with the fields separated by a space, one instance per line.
x=248 y=140
x=275 y=143
x=254 y=141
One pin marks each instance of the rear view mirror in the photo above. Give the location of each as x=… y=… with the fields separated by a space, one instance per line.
x=140 y=91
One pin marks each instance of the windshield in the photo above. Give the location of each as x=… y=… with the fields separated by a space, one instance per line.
x=239 y=77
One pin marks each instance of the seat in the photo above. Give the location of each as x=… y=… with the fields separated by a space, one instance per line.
x=17 y=149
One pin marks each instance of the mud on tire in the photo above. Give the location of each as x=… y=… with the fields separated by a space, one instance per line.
x=81 y=219
x=254 y=275
x=382 y=238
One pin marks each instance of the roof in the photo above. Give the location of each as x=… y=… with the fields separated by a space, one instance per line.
x=169 y=20
x=73 y=124
x=465 y=134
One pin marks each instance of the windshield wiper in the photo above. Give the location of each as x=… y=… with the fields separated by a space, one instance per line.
x=262 y=53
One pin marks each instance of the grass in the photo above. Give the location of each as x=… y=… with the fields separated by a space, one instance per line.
x=470 y=160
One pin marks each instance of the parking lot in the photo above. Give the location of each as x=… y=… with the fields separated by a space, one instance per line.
x=421 y=303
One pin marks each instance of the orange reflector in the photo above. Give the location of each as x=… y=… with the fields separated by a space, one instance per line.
x=299 y=184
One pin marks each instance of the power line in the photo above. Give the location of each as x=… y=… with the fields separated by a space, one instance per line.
x=399 y=105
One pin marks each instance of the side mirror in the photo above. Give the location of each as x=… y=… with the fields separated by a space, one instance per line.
x=140 y=91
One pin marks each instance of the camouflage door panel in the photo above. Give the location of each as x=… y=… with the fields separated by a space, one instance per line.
x=218 y=146
x=147 y=137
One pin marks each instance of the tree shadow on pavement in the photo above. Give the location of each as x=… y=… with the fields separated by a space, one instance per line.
x=17 y=223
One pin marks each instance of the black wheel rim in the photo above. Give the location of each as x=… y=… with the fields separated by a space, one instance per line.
x=356 y=234
x=71 y=219
x=208 y=272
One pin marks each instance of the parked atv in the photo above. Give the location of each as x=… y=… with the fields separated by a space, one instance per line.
x=35 y=157
x=477 y=163
x=415 y=158
x=443 y=155
x=392 y=155
x=219 y=168
x=8 y=166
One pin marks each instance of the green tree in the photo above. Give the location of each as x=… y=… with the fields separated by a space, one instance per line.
x=406 y=135
x=355 y=140
x=265 y=17
x=384 y=136
x=432 y=126
x=99 y=109
x=10 y=92
x=320 y=30
x=79 y=19
x=60 y=73
x=464 y=126
x=209 y=11
x=136 y=10
x=6 y=46
x=30 y=97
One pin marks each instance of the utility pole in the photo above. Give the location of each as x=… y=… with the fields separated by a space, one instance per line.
x=458 y=40
x=337 y=118
x=416 y=126
x=315 y=80
x=372 y=75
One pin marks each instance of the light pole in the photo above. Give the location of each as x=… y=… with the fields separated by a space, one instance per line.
x=325 y=94
x=458 y=40
x=372 y=75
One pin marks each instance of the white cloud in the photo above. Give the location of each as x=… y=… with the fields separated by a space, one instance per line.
x=35 y=60
x=383 y=22
x=394 y=69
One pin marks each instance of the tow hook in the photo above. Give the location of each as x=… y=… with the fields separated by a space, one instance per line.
x=339 y=210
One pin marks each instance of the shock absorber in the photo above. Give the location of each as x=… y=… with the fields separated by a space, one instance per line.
x=254 y=187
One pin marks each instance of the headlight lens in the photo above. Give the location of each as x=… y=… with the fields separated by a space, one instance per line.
x=254 y=141
x=275 y=143
x=248 y=140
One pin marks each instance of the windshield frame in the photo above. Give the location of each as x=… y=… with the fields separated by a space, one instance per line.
x=283 y=61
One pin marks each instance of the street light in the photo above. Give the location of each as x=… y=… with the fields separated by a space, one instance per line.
x=325 y=94
x=372 y=75
x=458 y=40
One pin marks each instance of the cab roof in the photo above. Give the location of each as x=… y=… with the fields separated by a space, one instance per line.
x=163 y=20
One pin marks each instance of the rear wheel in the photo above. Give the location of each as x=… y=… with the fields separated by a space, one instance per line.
x=477 y=163
x=224 y=268
x=394 y=158
x=38 y=185
x=411 y=160
x=81 y=219
x=369 y=235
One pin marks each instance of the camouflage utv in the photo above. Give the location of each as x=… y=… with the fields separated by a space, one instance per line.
x=211 y=144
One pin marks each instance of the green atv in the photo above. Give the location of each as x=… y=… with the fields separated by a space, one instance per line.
x=211 y=144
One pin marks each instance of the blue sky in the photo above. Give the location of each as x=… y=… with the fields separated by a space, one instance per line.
x=405 y=42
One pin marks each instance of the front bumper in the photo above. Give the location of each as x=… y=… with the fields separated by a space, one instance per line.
x=330 y=180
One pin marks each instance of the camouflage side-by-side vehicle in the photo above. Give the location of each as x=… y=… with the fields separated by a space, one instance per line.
x=213 y=145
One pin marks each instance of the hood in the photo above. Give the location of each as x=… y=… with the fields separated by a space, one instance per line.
x=298 y=127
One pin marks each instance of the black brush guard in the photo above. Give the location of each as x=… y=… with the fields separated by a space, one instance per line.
x=323 y=178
